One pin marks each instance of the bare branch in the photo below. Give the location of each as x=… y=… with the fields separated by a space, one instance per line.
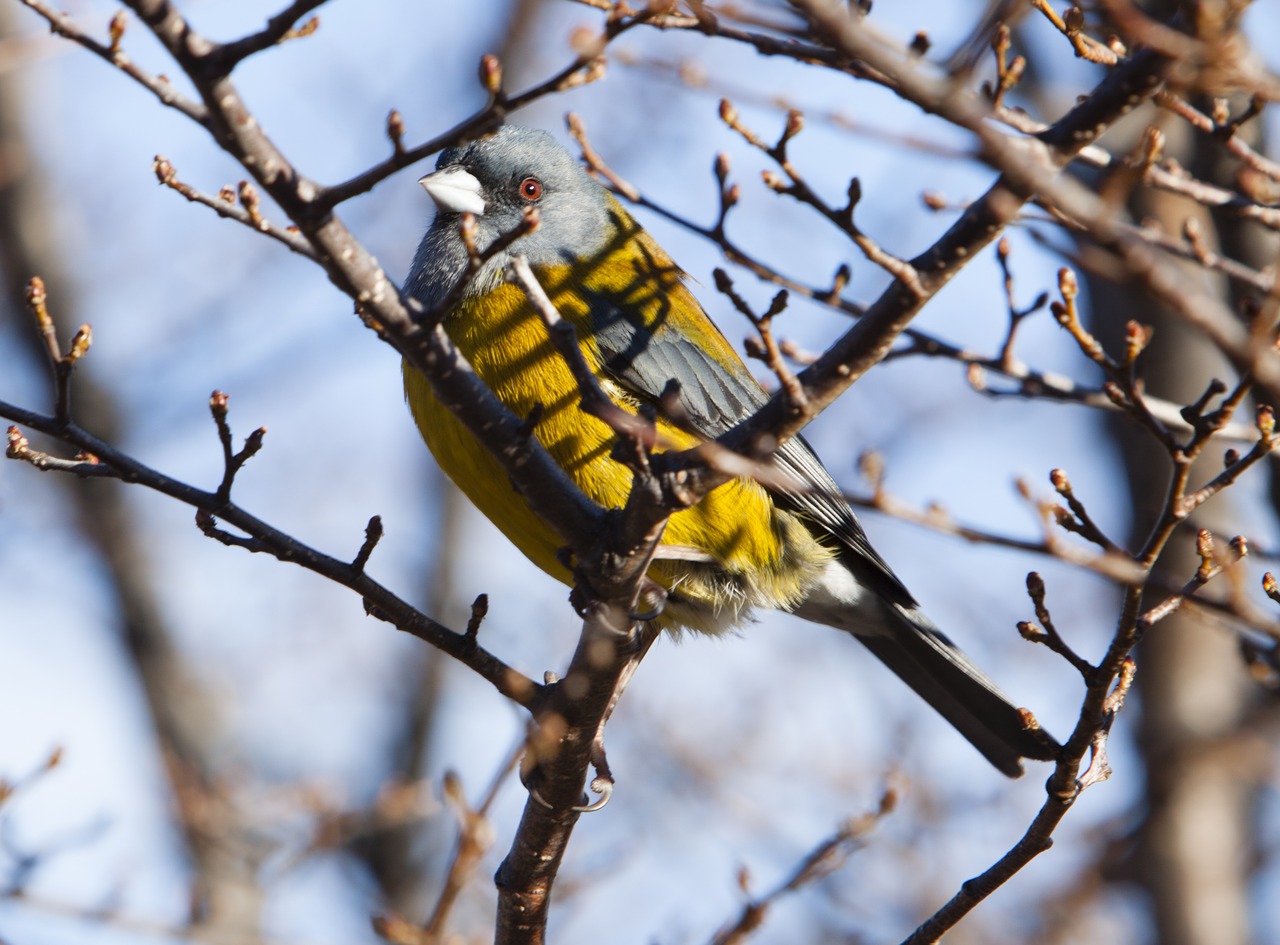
x=159 y=86
x=823 y=860
x=263 y=537
x=278 y=29
x=224 y=205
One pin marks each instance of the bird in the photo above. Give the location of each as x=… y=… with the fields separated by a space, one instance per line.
x=789 y=543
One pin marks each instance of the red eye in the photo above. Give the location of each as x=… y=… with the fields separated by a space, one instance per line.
x=531 y=188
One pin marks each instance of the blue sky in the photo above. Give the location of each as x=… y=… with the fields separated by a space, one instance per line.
x=738 y=751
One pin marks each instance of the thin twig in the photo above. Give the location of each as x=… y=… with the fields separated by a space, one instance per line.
x=119 y=465
x=225 y=206
x=158 y=85
x=278 y=29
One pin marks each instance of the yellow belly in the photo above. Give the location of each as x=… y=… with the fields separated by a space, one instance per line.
x=762 y=556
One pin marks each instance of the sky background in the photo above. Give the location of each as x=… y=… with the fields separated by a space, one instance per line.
x=745 y=750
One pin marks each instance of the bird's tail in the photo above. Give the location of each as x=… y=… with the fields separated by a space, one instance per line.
x=926 y=660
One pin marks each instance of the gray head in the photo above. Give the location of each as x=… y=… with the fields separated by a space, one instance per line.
x=495 y=178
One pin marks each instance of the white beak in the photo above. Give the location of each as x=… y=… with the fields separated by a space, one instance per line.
x=454 y=190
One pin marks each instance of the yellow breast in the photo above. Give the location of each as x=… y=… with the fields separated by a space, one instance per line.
x=761 y=556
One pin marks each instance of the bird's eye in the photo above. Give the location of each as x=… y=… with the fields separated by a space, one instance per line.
x=531 y=188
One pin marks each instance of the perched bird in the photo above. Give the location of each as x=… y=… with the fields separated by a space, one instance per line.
x=745 y=545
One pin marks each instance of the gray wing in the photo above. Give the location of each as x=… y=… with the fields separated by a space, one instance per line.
x=716 y=398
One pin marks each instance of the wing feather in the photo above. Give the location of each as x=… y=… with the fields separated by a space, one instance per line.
x=717 y=393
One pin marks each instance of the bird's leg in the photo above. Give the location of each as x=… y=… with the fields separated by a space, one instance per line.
x=650 y=595
x=603 y=649
x=602 y=783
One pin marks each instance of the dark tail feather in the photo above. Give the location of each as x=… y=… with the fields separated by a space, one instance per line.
x=928 y=662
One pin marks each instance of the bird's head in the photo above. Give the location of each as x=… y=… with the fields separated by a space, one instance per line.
x=498 y=176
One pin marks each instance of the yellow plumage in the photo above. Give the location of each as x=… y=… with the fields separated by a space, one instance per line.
x=762 y=556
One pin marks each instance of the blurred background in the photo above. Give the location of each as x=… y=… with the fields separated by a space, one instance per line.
x=238 y=744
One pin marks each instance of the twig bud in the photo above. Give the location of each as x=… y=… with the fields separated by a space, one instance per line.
x=728 y=114
x=1013 y=75
x=1221 y=111
x=594 y=71
x=372 y=535
x=722 y=167
x=80 y=344
x=18 y=444
x=1035 y=586
x=1000 y=40
x=854 y=193
x=36 y=292
x=395 y=129
x=795 y=124
x=306 y=29
x=1128 y=670
x=252 y=443
x=491 y=74
x=165 y=173
x=1152 y=147
x=774 y=181
x=116 y=32
x=1029 y=721
x=252 y=204
x=1266 y=421
x=38 y=302
x=1204 y=543
x=451 y=788
x=586 y=42
x=479 y=610
x=1136 y=338
x=1194 y=234
x=871 y=465
x=218 y=404
x=1068 y=285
